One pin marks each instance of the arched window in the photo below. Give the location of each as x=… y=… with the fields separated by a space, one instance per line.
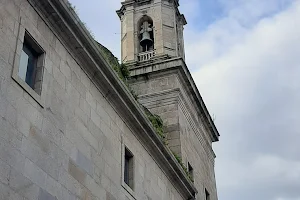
x=146 y=36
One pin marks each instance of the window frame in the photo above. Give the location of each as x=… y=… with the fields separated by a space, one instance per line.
x=30 y=38
x=128 y=189
x=128 y=165
x=33 y=55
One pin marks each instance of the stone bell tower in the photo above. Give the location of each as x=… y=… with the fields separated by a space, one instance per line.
x=151 y=28
x=153 y=48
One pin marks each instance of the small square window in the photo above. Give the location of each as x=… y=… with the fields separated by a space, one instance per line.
x=128 y=168
x=207 y=195
x=191 y=172
x=31 y=64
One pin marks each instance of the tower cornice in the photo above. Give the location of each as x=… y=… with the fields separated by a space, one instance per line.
x=141 y=69
x=127 y=3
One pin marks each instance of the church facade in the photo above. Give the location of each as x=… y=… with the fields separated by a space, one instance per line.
x=70 y=129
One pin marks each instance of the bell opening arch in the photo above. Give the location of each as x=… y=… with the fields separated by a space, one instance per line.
x=145 y=34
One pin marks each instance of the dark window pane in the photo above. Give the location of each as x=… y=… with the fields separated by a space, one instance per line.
x=126 y=170
x=191 y=172
x=23 y=66
x=207 y=196
x=28 y=64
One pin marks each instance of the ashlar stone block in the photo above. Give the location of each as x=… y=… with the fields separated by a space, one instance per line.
x=44 y=195
x=82 y=161
x=23 y=186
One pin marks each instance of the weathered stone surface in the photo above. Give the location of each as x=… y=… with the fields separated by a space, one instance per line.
x=76 y=172
x=167 y=96
x=82 y=161
x=23 y=186
x=41 y=158
x=109 y=196
x=44 y=195
x=4 y=172
x=69 y=147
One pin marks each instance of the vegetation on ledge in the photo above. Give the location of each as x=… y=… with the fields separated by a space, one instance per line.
x=124 y=74
x=121 y=69
x=179 y=160
x=157 y=124
x=156 y=121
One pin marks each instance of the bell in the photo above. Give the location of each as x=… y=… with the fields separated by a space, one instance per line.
x=146 y=39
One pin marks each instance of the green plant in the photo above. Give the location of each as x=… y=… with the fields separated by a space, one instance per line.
x=179 y=160
x=121 y=69
x=124 y=71
x=157 y=124
x=72 y=7
x=134 y=94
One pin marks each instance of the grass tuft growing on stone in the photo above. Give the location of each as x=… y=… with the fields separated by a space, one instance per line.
x=74 y=9
x=179 y=160
x=121 y=69
x=157 y=124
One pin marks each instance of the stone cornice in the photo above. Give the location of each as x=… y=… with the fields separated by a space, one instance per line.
x=172 y=96
x=69 y=29
x=178 y=63
x=128 y=3
x=195 y=127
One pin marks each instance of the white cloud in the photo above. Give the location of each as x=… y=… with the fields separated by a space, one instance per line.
x=271 y=47
x=239 y=18
x=250 y=81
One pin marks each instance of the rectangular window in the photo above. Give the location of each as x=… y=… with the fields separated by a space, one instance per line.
x=128 y=168
x=31 y=64
x=207 y=196
x=191 y=172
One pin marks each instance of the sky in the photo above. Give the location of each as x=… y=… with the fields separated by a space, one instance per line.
x=244 y=56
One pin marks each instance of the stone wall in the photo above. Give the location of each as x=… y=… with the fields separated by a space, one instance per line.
x=194 y=152
x=69 y=145
x=161 y=89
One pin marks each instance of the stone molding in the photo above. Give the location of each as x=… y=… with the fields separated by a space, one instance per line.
x=150 y=99
x=128 y=3
x=75 y=37
x=161 y=67
x=176 y=96
x=203 y=141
